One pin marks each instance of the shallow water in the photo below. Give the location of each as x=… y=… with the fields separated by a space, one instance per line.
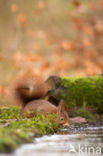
x=80 y=141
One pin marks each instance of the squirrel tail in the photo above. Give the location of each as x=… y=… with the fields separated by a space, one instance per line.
x=27 y=87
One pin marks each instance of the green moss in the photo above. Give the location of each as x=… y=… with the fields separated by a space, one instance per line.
x=9 y=113
x=15 y=131
x=10 y=139
x=89 y=89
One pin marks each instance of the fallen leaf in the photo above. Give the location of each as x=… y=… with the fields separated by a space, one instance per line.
x=78 y=120
x=22 y=19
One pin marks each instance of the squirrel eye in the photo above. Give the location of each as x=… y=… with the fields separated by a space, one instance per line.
x=61 y=118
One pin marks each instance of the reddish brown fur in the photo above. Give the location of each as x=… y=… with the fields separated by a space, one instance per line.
x=45 y=107
x=40 y=105
x=28 y=90
x=28 y=86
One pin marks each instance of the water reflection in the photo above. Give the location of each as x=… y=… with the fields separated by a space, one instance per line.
x=75 y=142
x=88 y=141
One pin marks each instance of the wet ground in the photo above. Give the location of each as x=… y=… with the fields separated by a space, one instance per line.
x=79 y=141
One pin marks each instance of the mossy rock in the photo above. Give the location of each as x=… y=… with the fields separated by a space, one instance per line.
x=86 y=91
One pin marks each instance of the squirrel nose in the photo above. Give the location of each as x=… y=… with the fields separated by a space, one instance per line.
x=66 y=124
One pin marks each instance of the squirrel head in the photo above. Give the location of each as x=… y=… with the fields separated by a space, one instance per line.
x=62 y=114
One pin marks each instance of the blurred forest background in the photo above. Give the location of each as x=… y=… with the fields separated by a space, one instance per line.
x=63 y=37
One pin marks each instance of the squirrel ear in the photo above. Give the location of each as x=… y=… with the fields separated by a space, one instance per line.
x=62 y=107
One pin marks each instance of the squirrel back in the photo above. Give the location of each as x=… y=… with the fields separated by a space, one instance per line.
x=28 y=86
x=45 y=107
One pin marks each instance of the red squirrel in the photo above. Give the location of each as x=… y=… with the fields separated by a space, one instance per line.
x=29 y=90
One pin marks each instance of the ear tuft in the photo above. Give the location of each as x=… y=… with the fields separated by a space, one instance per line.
x=62 y=107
